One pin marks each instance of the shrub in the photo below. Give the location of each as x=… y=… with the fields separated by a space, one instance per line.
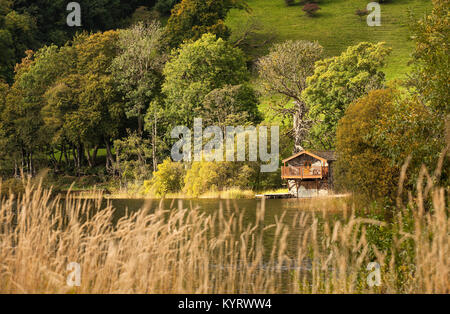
x=132 y=155
x=208 y=176
x=168 y=179
x=289 y=2
x=361 y=13
x=11 y=186
x=204 y=176
x=311 y=8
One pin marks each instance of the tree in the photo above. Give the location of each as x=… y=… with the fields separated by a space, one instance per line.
x=230 y=106
x=73 y=92
x=165 y=6
x=362 y=167
x=337 y=82
x=99 y=110
x=432 y=57
x=196 y=69
x=17 y=34
x=4 y=90
x=21 y=117
x=31 y=24
x=411 y=130
x=284 y=72
x=138 y=66
x=191 y=19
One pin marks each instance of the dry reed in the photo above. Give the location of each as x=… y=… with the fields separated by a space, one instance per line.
x=183 y=250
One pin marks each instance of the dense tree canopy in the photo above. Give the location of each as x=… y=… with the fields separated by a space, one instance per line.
x=191 y=19
x=198 y=68
x=26 y=24
x=137 y=69
x=65 y=97
x=337 y=82
x=17 y=34
x=432 y=57
x=361 y=166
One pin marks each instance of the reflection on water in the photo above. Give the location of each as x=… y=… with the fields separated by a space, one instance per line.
x=276 y=210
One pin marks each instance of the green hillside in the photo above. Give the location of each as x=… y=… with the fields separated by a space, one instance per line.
x=335 y=27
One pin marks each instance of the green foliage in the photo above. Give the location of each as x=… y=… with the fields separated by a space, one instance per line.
x=285 y=69
x=432 y=57
x=64 y=97
x=137 y=68
x=168 y=179
x=205 y=176
x=26 y=24
x=337 y=82
x=377 y=135
x=165 y=6
x=191 y=19
x=362 y=166
x=230 y=106
x=17 y=34
x=196 y=69
x=409 y=128
x=132 y=154
x=11 y=186
x=284 y=72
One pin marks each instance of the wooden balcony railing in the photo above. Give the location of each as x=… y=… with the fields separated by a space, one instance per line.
x=302 y=172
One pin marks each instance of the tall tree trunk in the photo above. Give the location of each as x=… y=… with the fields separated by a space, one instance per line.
x=155 y=134
x=301 y=125
x=64 y=149
x=109 y=156
x=30 y=164
x=22 y=161
x=91 y=158
x=140 y=124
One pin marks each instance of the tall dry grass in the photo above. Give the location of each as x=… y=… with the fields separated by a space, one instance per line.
x=183 y=250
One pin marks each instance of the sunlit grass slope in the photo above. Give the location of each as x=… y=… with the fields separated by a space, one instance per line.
x=336 y=26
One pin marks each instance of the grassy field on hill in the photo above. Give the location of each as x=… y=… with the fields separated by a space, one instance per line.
x=335 y=27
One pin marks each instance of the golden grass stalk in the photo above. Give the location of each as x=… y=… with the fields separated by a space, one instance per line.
x=182 y=250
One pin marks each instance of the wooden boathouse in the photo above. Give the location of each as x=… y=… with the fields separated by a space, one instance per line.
x=309 y=173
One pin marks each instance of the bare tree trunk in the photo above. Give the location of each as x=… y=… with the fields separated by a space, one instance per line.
x=22 y=161
x=109 y=156
x=155 y=134
x=301 y=125
x=66 y=157
x=91 y=158
x=30 y=164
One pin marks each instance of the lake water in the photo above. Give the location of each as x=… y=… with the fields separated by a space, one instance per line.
x=274 y=209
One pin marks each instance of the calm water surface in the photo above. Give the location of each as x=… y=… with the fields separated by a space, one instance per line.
x=274 y=210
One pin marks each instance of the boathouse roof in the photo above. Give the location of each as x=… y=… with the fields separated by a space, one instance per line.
x=324 y=155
